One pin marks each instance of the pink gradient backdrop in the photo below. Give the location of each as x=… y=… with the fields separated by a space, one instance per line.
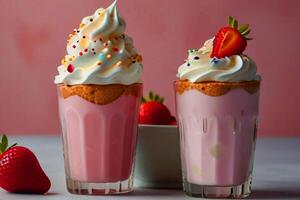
x=33 y=39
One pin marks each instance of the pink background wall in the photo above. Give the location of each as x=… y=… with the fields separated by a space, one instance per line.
x=33 y=40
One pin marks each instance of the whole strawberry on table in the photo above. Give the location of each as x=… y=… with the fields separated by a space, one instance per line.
x=153 y=111
x=20 y=171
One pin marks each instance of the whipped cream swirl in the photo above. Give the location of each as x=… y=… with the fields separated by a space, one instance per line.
x=99 y=52
x=199 y=67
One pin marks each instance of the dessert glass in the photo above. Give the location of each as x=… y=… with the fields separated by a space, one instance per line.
x=99 y=126
x=218 y=125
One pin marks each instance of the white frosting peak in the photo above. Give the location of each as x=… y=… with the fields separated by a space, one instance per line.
x=99 y=52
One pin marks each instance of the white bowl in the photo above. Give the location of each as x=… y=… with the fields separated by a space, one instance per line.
x=157 y=163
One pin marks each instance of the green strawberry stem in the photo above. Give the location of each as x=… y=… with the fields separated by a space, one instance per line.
x=4 y=144
x=152 y=97
x=243 y=29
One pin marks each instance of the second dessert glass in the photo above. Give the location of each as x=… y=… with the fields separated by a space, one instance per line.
x=217 y=98
x=218 y=135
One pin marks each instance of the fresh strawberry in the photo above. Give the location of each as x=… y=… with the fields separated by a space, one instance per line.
x=153 y=111
x=230 y=40
x=20 y=171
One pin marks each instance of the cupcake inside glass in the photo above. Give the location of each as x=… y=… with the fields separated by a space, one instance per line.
x=217 y=97
x=99 y=90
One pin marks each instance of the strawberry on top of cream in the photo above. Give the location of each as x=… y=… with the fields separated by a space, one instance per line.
x=200 y=67
x=221 y=58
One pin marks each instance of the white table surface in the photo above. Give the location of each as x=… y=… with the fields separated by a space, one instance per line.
x=276 y=172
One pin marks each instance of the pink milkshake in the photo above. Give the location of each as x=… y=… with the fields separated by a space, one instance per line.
x=217 y=136
x=98 y=148
x=217 y=108
x=99 y=142
x=99 y=91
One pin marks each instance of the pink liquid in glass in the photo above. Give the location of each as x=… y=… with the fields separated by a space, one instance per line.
x=99 y=140
x=217 y=136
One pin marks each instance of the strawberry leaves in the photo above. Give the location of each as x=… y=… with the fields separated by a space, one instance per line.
x=152 y=97
x=244 y=29
x=4 y=144
x=232 y=22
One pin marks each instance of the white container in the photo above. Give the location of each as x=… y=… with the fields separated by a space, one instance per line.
x=157 y=163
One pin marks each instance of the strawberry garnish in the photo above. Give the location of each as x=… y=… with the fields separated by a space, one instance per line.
x=230 y=40
x=20 y=171
x=153 y=111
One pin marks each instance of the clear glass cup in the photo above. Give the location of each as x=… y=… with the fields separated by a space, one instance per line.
x=99 y=140
x=217 y=137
